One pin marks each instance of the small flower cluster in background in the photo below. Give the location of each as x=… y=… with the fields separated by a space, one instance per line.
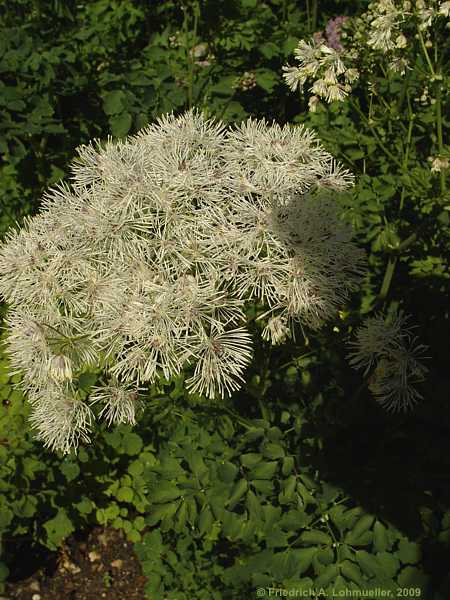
x=386 y=348
x=318 y=61
x=331 y=37
x=143 y=265
x=332 y=60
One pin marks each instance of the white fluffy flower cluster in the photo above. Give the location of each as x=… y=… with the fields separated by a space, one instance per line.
x=387 y=349
x=144 y=264
x=324 y=65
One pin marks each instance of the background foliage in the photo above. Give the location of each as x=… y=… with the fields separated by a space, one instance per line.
x=301 y=479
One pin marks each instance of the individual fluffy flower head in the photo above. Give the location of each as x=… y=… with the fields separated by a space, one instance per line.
x=322 y=62
x=386 y=18
x=143 y=265
x=387 y=349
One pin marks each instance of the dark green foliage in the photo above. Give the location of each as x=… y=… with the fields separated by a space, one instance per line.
x=217 y=505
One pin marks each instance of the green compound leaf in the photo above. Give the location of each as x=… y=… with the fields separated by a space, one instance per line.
x=85 y=506
x=269 y=49
x=337 y=516
x=351 y=517
x=70 y=470
x=125 y=494
x=327 y=575
x=325 y=556
x=352 y=572
x=112 y=512
x=408 y=552
x=340 y=585
x=251 y=459
x=253 y=434
x=239 y=490
x=26 y=506
x=159 y=512
x=205 y=521
x=273 y=451
x=6 y=517
x=389 y=563
x=58 y=529
x=276 y=538
x=136 y=468
x=181 y=517
x=271 y=515
x=266 y=79
x=227 y=472
x=192 y=511
x=264 y=471
x=288 y=465
x=86 y=380
x=368 y=562
x=132 y=443
x=254 y=506
x=165 y=492
x=380 y=537
x=120 y=124
x=304 y=557
x=196 y=462
x=4 y=571
x=315 y=537
x=263 y=486
x=364 y=539
x=362 y=525
x=294 y=520
x=411 y=577
x=232 y=524
x=114 y=102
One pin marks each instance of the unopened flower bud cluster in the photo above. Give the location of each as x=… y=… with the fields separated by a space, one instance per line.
x=246 y=82
x=201 y=55
x=143 y=265
x=438 y=164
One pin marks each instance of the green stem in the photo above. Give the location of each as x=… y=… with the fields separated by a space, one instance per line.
x=406 y=153
x=402 y=200
x=375 y=134
x=54 y=329
x=406 y=243
x=403 y=92
x=388 y=153
x=238 y=418
x=436 y=78
x=225 y=106
x=387 y=277
x=189 y=53
x=439 y=133
x=314 y=15
x=427 y=56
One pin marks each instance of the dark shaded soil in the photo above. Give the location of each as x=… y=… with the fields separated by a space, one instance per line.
x=101 y=566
